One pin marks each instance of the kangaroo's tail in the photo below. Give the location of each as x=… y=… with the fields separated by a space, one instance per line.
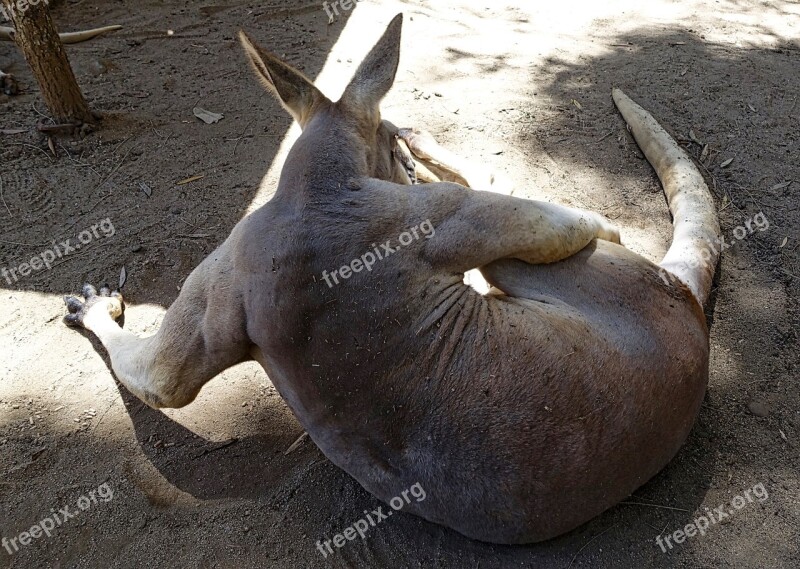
x=695 y=248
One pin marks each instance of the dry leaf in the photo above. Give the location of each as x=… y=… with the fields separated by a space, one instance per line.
x=726 y=163
x=785 y=241
x=694 y=138
x=192 y=179
x=751 y=107
x=704 y=154
x=146 y=189
x=577 y=104
x=51 y=145
x=13 y=130
x=780 y=186
x=684 y=72
x=207 y=116
x=123 y=276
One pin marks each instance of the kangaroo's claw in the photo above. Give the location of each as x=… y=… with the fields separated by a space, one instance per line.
x=105 y=298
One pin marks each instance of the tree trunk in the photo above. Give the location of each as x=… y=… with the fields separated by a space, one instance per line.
x=38 y=39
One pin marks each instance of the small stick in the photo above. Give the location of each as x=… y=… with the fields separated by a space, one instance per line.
x=609 y=133
x=100 y=420
x=217 y=447
x=7 y=34
x=69 y=127
x=588 y=543
x=654 y=506
x=4 y=199
x=296 y=444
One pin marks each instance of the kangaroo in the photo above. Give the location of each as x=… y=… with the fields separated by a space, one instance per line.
x=523 y=412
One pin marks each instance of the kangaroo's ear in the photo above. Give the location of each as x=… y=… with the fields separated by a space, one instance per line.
x=375 y=75
x=293 y=89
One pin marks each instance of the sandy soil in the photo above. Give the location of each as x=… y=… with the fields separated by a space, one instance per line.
x=522 y=86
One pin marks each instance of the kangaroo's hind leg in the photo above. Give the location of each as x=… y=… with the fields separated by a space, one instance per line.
x=203 y=333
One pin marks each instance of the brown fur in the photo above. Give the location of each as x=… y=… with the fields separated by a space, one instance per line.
x=522 y=413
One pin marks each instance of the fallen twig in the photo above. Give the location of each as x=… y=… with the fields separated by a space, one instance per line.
x=589 y=542
x=654 y=506
x=216 y=447
x=295 y=444
x=4 y=199
x=7 y=34
x=68 y=128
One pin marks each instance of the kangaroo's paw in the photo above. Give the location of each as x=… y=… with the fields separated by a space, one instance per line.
x=94 y=302
x=404 y=157
x=450 y=166
x=420 y=142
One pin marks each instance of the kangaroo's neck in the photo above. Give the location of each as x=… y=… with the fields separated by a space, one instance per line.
x=323 y=160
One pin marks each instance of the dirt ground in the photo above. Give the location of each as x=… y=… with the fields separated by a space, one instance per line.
x=523 y=86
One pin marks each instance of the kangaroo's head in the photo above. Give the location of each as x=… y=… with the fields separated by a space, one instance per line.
x=354 y=124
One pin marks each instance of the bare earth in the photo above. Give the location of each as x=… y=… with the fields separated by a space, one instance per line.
x=523 y=86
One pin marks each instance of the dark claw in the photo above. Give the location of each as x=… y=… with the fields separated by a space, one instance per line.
x=73 y=320
x=74 y=304
x=77 y=308
x=88 y=291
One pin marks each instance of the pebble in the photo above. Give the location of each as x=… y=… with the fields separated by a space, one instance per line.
x=758 y=408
